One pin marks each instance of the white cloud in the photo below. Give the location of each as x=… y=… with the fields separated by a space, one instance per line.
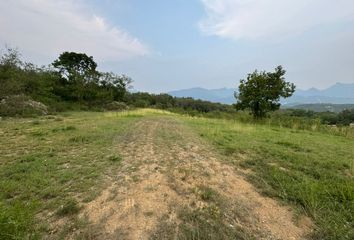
x=45 y=28
x=268 y=19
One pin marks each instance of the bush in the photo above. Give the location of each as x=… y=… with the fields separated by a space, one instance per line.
x=116 y=106
x=21 y=105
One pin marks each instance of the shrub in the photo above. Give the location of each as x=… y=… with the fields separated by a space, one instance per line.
x=116 y=106
x=21 y=105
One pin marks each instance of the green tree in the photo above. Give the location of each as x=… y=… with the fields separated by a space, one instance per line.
x=261 y=92
x=79 y=72
x=10 y=69
x=115 y=85
x=346 y=117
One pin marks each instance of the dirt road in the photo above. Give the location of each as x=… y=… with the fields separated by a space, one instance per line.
x=173 y=185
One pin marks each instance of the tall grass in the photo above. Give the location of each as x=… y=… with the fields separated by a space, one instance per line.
x=279 y=119
x=311 y=169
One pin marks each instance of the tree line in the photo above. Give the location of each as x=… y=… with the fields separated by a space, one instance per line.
x=344 y=117
x=72 y=78
x=72 y=82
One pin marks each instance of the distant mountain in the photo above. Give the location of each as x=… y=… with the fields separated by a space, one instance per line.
x=339 y=90
x=337 y=94
x=222 y=95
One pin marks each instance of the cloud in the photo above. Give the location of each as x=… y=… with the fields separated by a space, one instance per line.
x=270 y=19
x=44 y=28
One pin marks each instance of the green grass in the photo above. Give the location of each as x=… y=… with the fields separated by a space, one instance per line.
x=16 y=221
x=50 y=164
x=115 y=158
x=207 y=223
x=71 y=207
x=311 y=170
x=207 y=194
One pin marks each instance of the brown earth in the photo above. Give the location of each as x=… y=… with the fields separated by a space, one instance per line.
x=173 y=185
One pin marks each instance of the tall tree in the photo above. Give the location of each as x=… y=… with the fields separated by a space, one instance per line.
x=10 y=68
x=115 y=85
x=78 y=70
x=261 y=92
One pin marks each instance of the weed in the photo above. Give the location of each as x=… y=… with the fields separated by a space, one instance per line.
x=115 y=158
x=207 y=194
x=80 y=139
x=36 y=122
x=149 y=214
x=207 y=223
x=38 y=133
x=58 y=119
x=64 y=129
x=70 y=207
x=135 y=178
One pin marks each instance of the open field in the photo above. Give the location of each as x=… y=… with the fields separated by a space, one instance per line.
x=311 y=170
x=149 y=174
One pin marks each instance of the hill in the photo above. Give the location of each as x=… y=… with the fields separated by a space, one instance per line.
x=339 y=93
x=221 y=95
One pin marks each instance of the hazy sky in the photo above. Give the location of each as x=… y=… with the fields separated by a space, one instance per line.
x=172 y=44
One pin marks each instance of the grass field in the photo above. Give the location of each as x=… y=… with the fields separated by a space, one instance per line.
x=48 y=165
x=311 y=170
x=52 y=167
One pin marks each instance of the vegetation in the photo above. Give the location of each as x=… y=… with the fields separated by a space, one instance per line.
x=50 y=163
x=60 y=162
x=343 y=118
x=261 y=92
x=323 y=107
x=311 y=170
x=73 y=83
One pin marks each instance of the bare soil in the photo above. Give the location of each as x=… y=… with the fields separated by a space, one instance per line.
x=166 y=171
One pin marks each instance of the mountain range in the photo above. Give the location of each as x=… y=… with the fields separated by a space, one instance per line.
x=339 y=93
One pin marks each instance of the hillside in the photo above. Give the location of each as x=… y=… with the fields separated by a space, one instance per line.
x=222 y=95
x=336 y=94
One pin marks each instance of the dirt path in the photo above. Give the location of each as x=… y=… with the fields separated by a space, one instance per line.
x=172 y=185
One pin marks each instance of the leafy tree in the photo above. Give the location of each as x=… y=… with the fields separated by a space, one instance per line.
x=22 y=78
x=115 y=86
x=72 y=65
x=78 y=71
x=261 y=92
x=164 y=101
x=346 y=117
x=10 y=69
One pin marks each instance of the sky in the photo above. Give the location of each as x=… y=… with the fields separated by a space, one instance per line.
x=177 y=44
